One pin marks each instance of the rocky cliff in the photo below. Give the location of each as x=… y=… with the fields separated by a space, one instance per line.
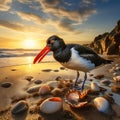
x=108 y=43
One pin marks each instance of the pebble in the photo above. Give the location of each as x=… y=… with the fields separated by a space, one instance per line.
x=57 y=92
x=117 y=68
x=101 y=104
x=33 y=89
x=116 y=79
x=38 y=81
x=53 y=83
x=13 y=69
x=44 y=90
x=115 y=73
x=46 y=70
x=56 y=70
x=116 y=89
x=20 y=107
x=29 y=78
x=62 y=68
x=58 y=78
x=105 y=82
x=99 y=76
x=109 y=98
x=6 y=84
x=94 y=87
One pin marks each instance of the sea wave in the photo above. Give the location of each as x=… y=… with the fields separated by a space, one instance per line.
x=4 y=53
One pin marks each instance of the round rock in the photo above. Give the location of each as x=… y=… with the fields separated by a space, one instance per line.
x=20 y=107
x=29 y=78
x=116 y=89
x=6 y=84
x=38 y=81
x=105 y=82
x=33 y=89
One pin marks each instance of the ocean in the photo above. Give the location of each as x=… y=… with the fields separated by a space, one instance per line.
x=13 y=57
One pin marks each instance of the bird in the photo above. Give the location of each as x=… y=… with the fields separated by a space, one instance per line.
x=72 y=56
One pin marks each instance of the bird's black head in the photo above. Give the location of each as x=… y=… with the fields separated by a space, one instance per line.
x=55 y=43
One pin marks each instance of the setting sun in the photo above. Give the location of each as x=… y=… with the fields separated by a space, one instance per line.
x=29 y=43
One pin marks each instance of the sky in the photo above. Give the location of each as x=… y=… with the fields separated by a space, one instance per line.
x=28 y=23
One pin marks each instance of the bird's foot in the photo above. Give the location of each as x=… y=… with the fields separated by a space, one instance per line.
x=77 y=87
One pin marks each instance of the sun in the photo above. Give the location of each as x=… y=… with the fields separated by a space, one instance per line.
x=29 y=44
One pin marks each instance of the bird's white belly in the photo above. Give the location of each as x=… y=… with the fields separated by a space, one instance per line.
x=78 y=63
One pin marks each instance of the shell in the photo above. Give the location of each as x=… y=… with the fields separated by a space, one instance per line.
x=101 y=104
x=51 y=105
x=94 y=87
x=44 y=90
x=75 y=98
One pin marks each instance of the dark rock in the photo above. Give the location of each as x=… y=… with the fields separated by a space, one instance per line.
x=6 y=84
x=56 y=70
x=38 y=81
x=20 y=107
x=116 y=89
x=29 y=78
x=13 y=69
x=46 y=70
x=58 y=78
x=109 y=98
x=105 y=82
x=62 y=68
x=99 y=76
x=33 y=89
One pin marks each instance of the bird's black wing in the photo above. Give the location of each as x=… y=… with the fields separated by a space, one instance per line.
x=89 y=54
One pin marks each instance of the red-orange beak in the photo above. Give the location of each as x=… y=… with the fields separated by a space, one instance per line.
x=42 y=54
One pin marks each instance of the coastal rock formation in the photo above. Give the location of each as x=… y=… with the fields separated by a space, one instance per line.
x=108 y=43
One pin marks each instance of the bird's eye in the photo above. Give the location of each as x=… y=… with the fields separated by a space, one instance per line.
x=52 y=41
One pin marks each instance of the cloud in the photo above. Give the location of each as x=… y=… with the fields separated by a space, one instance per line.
x=31 y=17
x=13 y=26
x=25 y=1
x=60 y=10
x=66 y=24
x=5 y=5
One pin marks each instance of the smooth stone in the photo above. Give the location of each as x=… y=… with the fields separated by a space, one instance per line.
x=33 y=89
x=101 y=104
x=20 y=107
x=13 y=69
x=99 y=76
x=62 y=68
x=58 y=78
x=56 y=70
x=29 y=78
x=116 y=79
x=57 y=92
x=47 y=70
x=6 y=84
x=44 y=90
x=116 y=89
x=105 y=82
x=53 y=84
x=38 y=81
x=94 y=87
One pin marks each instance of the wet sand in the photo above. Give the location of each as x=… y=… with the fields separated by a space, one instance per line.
x=16 y=81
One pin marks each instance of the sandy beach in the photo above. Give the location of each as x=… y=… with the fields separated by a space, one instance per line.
x=22 y=83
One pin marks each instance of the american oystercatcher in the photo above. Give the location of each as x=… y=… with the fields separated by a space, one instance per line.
x=72 y=56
